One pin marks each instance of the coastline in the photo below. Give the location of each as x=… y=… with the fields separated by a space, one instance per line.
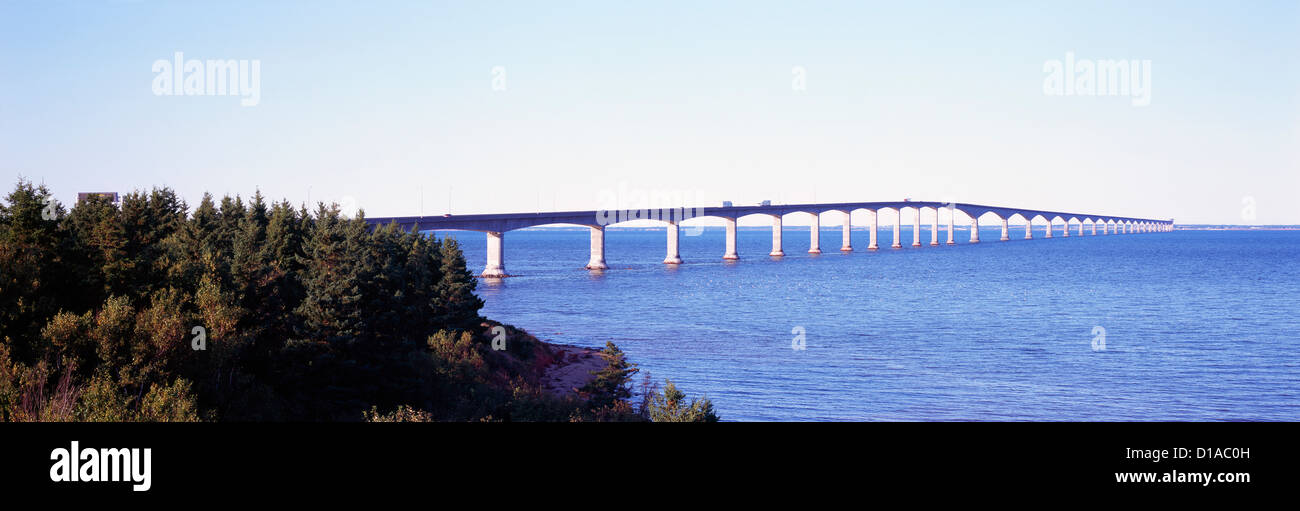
x=571 y=369
x=557 y=369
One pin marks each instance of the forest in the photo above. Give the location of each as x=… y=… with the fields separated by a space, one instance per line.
x=143 y=310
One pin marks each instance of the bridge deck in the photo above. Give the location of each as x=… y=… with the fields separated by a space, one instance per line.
x=502 y=222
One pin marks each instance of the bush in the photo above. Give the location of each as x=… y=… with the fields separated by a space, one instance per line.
x=671 y=406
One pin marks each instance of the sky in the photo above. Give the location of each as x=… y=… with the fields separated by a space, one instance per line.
x=407 y=108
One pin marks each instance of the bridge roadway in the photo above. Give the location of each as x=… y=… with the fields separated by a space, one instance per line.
x=496 y=224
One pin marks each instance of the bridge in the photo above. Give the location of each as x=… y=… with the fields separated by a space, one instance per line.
x=495 y=225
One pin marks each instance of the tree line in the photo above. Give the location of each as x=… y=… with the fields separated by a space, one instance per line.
x=249 y=311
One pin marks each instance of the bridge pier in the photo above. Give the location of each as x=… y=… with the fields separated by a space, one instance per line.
x=847 y=245
x=916 y=227
x=1029 y=228
x=674 y=256
x=495 y=255
x=1005 y=230
x=731 y=240
x=1080 y=228
x=1049 y=229
x=1094 y=227
x=952 y=214
x=597 y=261
x=815 y=234
x=934 y=228
x=898 y=228
x=1065 y=232
x=776 y=237
x=974 y=229
x=875 y=228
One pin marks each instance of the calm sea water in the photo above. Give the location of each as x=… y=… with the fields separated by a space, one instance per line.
x=1197 y=325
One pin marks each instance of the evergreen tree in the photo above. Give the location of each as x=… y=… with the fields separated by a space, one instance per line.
x=331 y=308
x=387 y=287
x=671 y=406
x=146 y=220
x=613 y=383
x=30 y=242
x=305 y=317
x=423 y=274
x=93 y=238
x=456 y=300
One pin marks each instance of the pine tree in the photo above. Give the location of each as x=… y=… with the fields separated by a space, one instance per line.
x=613 y=383
x=423 y=273
x=90 y=227
x=386 y=289
x=281 y=254
x=671 y=406
x=29 y=263
x=229 y=220
x=331 y=309
x=146 y=220
x=458 y=305
x=205 y=223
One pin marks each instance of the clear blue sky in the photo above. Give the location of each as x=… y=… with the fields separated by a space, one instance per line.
x=391 y=103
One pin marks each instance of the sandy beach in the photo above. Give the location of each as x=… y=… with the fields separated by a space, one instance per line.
x=571 y=369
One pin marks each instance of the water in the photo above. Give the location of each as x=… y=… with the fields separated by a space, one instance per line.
x=1197 y=325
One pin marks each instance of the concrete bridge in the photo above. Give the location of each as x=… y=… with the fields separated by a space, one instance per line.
x=497 y=224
